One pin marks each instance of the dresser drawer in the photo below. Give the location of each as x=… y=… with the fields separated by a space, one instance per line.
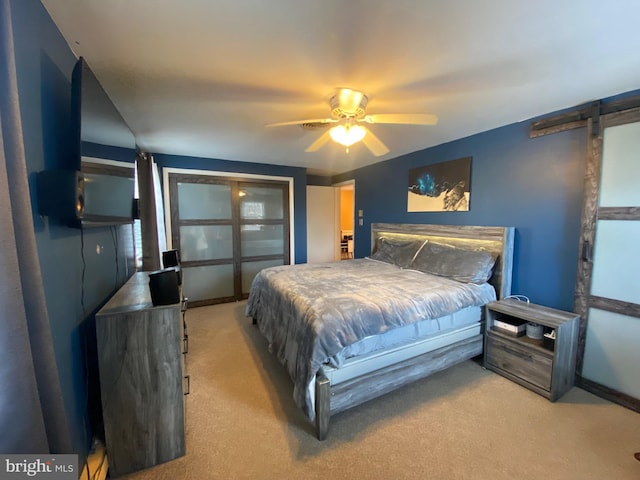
x=518 y=359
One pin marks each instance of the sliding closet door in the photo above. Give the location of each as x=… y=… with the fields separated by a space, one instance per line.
x=264 y=229
x=202 y=229
x=226 y=231
x=610 y=264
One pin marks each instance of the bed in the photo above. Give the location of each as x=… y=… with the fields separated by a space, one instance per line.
x=350 y=331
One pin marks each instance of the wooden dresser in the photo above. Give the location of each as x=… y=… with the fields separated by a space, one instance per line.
x=142 y=378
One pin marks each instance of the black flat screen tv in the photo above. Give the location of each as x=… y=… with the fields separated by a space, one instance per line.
x=82 y=189
x=105 y=141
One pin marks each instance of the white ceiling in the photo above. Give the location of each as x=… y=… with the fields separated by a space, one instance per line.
x=202 y=77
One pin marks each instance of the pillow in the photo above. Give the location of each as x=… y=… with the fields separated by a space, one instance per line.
x=468 y=266
x=397 y=252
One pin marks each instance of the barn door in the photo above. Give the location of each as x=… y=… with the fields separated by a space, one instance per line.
x=608 y=284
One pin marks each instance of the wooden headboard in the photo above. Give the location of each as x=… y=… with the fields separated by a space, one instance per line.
x=498 y=241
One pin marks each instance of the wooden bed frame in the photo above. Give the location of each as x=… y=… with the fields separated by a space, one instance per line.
x=331 y=399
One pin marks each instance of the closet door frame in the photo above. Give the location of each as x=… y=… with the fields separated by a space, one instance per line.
x=170 y=174
x=591 y=213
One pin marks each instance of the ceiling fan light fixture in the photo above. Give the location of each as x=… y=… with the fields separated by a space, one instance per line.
x=347 y=111
x=347 y=135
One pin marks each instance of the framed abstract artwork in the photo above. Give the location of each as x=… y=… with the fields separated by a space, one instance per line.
x=441 y=187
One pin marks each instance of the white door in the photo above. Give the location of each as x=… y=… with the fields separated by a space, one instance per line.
x=321 y=224
x=612 y=336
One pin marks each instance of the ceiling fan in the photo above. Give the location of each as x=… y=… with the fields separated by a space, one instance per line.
x=347 y=113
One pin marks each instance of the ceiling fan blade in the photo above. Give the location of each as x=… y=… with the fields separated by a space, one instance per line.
x=320 y=141
x=402 y=118
x=300 y=122
x=374 y=144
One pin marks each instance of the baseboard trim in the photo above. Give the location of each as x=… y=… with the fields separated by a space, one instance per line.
x=608 y=393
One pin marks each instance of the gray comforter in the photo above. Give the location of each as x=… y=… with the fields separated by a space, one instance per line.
x=310 y=312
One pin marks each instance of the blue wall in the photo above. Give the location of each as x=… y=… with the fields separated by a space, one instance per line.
x=44 y=64
x=299 y=186
x=319 y=180
x=96 y=150
x=534 y=185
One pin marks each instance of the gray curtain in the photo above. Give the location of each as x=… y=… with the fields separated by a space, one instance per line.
x=32 y=414
x=148 y=212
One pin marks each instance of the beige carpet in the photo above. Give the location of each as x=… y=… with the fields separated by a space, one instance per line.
x=465 y=423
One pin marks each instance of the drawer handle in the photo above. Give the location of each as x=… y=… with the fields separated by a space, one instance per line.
x=185 y=344
x=524 y=356
x=188 y=379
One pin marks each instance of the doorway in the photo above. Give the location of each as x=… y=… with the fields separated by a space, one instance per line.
x=330 y=222
x=345 y=218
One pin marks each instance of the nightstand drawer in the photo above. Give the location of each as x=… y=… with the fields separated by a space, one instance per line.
x=526 y=363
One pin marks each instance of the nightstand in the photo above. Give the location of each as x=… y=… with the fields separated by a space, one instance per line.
x=546 y=366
